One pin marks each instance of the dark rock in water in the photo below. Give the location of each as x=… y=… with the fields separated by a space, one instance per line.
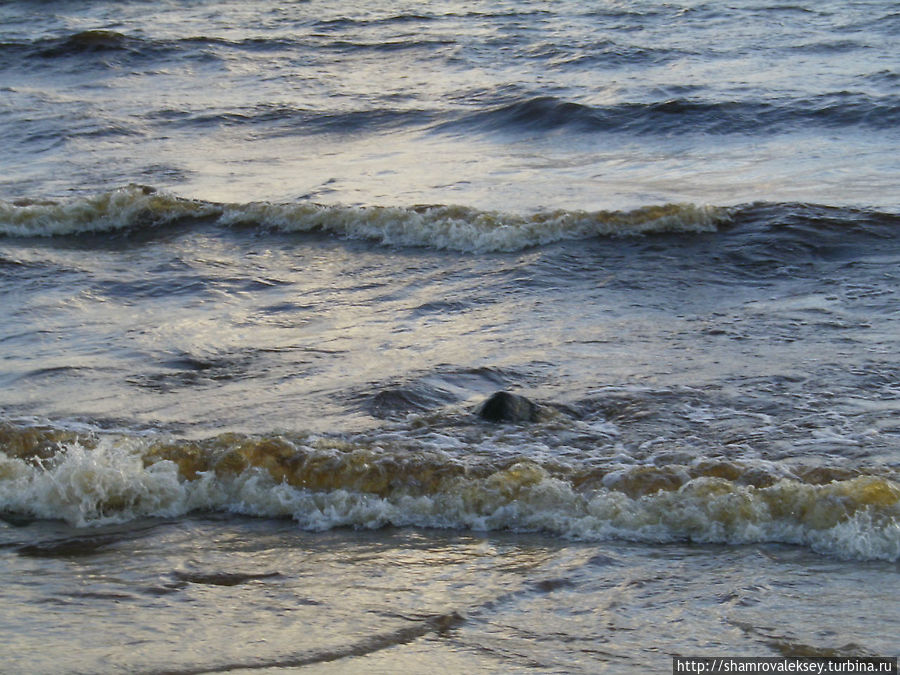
x=506 y=407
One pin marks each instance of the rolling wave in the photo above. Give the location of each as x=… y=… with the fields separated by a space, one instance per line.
x=454 y=228
x=761 y=231
x=324 y=482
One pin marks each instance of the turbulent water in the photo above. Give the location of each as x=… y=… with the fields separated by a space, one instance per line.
x=261 y=263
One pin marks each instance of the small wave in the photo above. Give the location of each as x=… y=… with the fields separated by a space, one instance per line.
x=459 y=228
x=132 y=207
x=105 y=48
x=608 y=55
x=776 y=236
x=100 y=41
x=548 y=113
x=325 y=483
x=341 y=23
x=271 y=120
x=353 y=46
x=252 y=44
x=91 y=42
x=108 y=46
x=90 y=48
x=453 y=228
x=760 y=235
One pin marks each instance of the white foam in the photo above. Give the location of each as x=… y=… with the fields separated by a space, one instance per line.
x=452 y=228
x=458 y=228
x=855 y=519
x=127 y=207
x=96 y=486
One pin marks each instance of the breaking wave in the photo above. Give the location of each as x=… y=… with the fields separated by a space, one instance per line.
x=454 y=228
x=326 y=482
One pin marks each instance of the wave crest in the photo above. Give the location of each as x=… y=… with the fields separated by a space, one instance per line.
x=684 y=115
x=131 y=207
x=324 y=483
x=452 y=228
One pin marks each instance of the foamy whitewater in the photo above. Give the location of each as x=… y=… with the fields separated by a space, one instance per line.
x=262 y=264
x=453 y=228
x=323 y=486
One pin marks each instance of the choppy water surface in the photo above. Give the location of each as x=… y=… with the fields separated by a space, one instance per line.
x=261 y=262
x=495 y=105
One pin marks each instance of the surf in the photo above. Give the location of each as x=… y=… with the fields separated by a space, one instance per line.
x=324 y=482
x=440 y=227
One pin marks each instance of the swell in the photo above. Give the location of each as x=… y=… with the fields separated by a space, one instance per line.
x=327 y=482
x=548 y=113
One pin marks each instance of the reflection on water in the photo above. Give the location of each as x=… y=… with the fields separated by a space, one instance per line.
x=212 y=595
x=266 y=259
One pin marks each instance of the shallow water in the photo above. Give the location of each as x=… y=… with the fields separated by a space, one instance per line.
x=260 y=265
x=233 y=595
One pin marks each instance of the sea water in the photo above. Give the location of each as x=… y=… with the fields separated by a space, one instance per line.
x=260 y=264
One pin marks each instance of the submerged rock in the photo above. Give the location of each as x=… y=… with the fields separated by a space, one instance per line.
x=505 y=407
